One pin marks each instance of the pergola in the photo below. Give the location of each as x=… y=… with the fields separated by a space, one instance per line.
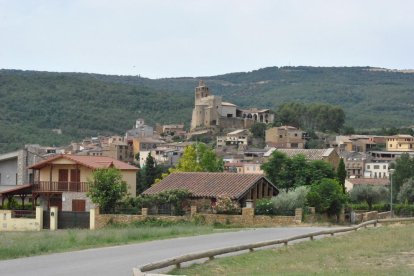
x=21 y=191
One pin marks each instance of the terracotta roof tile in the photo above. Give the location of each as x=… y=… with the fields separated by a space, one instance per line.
x=370 y=181
x=93 y=162
x=208 y=184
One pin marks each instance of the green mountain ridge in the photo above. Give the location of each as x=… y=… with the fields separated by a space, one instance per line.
x=33 y=103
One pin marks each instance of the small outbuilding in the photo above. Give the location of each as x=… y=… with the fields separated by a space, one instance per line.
x=206 y=187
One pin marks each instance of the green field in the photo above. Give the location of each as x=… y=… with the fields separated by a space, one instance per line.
x=22 y=244
x=387 y=250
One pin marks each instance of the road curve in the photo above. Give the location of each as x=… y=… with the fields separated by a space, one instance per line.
x=119 y=260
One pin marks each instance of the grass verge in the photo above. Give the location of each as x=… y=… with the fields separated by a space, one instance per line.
x=387 y=250
x=23 y=244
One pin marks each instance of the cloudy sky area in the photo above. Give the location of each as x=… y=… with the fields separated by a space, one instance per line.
x=162 y=38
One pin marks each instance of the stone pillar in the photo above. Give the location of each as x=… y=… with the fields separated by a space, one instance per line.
x=39 y=218
x=298 y=215
x=144 y=212
x=93 y=212
x=193 y=210
x=53 y=218
x=342 y=216
x=248 y=215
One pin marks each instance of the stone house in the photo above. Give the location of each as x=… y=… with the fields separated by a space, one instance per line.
x=14 y=172
x=207 y=187
x=285 y=137
x=62 y=180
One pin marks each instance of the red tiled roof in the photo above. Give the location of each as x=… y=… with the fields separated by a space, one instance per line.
x=204 y=184
x=370 y=181
x=93 y=162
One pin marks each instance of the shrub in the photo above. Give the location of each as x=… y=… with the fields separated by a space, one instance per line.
x=370 y=194
x=264 y=207
x=289 y=201
x=404 y=210
x=225 y=205
x=326 y=196
x=406 y=193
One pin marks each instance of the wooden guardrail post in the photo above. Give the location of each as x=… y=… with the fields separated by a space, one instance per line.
x=210 y=254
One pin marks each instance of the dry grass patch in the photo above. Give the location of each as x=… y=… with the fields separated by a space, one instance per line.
x=373 y=251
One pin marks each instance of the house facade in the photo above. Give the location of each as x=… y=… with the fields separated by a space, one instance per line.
x=285 y=137
x=400 y=143
x=62 y=180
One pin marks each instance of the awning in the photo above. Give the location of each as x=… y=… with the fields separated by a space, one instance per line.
x=16 y=190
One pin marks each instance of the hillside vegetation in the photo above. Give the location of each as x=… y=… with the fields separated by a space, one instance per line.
x=33 y=103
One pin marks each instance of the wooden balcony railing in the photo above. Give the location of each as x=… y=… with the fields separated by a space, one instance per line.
x=60 y=186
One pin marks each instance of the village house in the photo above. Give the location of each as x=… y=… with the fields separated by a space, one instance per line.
x=355 y=182
x=400 y=143
x=140 y=129
x=243 y=167
x=285 y=137
x=234 y=138
x=328 y=155
x=376 y=170
x=354 y=163
x=62 y=180
x=206 y=188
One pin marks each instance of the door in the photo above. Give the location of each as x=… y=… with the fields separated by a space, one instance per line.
x=63 y=180
x=74 y=180
x=55 y=202
x=78 y=205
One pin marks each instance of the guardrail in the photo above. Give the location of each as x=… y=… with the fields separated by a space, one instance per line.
x=215 y=252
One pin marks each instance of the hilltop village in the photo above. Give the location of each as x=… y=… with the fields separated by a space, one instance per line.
x=227 y=128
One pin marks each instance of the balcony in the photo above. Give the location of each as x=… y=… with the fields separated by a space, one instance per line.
x=60 y=186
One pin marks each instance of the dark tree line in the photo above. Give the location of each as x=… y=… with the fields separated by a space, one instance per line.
x=321 y=117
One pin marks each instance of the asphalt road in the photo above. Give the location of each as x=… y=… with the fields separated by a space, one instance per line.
x=119 y=260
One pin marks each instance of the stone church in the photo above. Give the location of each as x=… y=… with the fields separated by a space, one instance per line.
x=211 y=112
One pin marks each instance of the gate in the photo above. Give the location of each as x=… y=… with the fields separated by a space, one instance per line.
x=46 y=220
x=73 y=220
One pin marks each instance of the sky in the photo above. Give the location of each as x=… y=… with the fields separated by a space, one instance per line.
x=189 y=38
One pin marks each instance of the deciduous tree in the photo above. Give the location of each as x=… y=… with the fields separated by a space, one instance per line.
x=106 y=188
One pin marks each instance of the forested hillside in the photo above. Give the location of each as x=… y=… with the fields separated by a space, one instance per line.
x=33 y=103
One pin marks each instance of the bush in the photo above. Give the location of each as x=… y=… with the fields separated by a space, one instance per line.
x=404 y=210
x=370 y=194
x=289 y=201
x=406 y=193
x=326 y=196
x=225 y=205
x=264 y=207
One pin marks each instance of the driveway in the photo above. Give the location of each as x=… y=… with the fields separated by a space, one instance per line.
x=119 y=260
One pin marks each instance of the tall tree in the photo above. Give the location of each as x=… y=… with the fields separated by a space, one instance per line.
x=106 y=188
x=199 y=158
x=404 y=169
x=291 y=172
x=258 y=130
x=341 y=174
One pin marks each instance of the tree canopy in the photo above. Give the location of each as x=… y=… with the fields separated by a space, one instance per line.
x=290 y=172
x=199 y=158
x=106 y=188
x=322 y=117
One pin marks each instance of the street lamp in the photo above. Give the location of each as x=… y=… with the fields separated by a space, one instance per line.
x=391 y=173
